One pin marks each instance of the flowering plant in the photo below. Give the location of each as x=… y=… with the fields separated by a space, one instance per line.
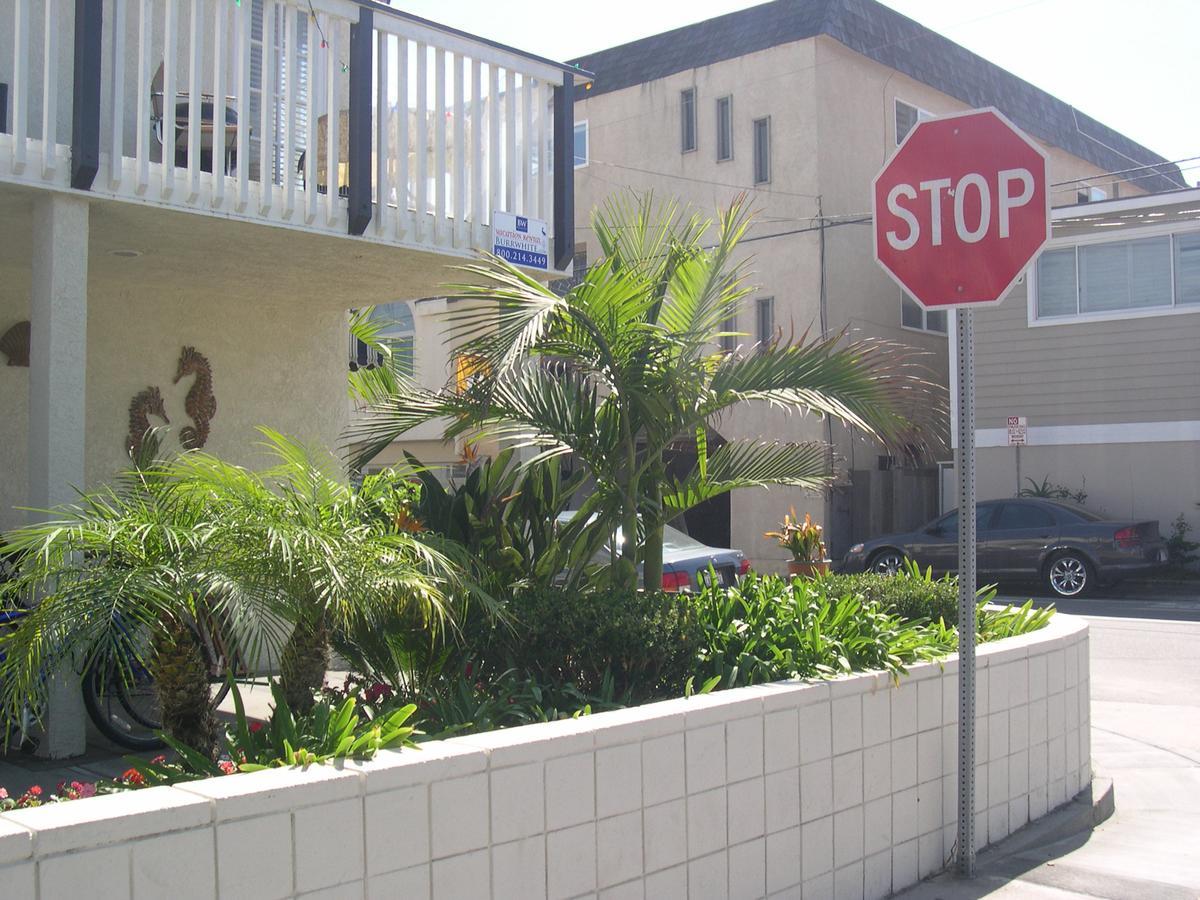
x=802 y=539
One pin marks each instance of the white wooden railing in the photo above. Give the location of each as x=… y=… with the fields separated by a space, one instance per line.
x=247 y=108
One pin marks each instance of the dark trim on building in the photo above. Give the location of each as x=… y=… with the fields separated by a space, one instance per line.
x=564 y=172
x=3 y=108
x=360 y=63
x=890 y=39
x=85 y=111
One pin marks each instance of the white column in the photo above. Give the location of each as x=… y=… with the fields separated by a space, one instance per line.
x=57 y=370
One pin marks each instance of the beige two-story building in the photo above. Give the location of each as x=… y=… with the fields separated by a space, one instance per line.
x=798 y=103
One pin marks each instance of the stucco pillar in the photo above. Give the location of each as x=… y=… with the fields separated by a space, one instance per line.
x=57 y=370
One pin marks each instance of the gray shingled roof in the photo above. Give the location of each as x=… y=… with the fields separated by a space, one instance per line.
x=893 y=40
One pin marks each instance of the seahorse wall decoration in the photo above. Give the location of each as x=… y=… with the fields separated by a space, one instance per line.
x=201 y=403
x=144 y=404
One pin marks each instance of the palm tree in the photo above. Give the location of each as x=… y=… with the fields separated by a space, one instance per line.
x=194 y=537
x=626 y=366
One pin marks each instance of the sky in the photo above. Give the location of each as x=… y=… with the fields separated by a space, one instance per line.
x=1132 y=65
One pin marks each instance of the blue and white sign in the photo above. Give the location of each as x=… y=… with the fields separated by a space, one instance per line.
x=521 y=240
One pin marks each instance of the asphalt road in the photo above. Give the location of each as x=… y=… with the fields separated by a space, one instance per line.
x=1145 y=679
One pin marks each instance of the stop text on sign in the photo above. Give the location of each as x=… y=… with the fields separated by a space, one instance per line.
x=1013 y=190
x=961 y=209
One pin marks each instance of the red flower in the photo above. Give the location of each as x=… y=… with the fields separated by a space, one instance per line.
x=256 y=727
x=35 y=791
x=158 y=760
x=468 y=670
x=133 y=776
x=227 y=766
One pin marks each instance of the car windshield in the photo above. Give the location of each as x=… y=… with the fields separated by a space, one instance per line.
x=674 y=540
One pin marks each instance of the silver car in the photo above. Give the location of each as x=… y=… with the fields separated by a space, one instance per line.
x=686 y=561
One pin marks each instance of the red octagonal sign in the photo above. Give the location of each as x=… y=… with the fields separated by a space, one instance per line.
x=961 y=209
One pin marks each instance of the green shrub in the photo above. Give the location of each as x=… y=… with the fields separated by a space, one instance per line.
x=909 y=594
x=769 y=629
x=634 y=644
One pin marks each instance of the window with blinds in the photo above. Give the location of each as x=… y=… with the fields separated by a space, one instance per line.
x=275 y=26
x=1147 y=274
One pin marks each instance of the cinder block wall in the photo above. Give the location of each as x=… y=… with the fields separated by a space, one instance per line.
x=844 y=788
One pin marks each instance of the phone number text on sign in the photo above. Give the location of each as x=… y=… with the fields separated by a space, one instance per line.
x=521 y=240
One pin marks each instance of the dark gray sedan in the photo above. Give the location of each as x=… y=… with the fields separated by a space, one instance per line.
x=1069 y=548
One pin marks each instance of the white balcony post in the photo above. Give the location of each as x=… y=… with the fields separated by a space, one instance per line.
x=57 y=380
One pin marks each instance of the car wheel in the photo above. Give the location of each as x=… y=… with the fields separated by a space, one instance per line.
x=886 y=562
x=1069 y=575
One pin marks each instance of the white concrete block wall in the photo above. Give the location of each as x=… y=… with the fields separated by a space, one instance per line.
x=838 y=789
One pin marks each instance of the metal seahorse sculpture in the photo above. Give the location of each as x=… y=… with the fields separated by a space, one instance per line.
x=200 y=403
x=144 y=404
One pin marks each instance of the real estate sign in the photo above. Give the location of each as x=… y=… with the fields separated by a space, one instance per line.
x=521 y=240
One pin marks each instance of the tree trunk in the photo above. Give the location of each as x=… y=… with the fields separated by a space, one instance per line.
x=652 y=565
x=304 y=662
x=181 y=676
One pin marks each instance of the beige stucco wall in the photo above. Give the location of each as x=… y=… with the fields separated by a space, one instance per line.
x=273 y=364
x=1143 y=481
x=634 y=136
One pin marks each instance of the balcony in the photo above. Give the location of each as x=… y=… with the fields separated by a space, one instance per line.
x=334 y=117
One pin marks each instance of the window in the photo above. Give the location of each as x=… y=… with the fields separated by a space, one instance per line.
x=765 y=309
x=762 y=150
x=907 y=116
x=947 y=525
x=687 y=120
x=581 y=144
x=1023 y=515
x=916 y=317
x=724 y=129
x=1117 y=277
x=395 y=329
x=729 y=339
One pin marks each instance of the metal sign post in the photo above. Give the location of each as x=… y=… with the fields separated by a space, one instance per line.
x=980 y=174
x=965 y=464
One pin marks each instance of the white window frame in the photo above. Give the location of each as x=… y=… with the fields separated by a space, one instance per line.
x=587 y=144
x=1130 y=234
x=924 y=329
x=729 y=98
x=922 y=114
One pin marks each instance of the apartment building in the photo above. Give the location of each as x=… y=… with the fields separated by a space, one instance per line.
x=193 y=195
x=1099 y=354
x=798 y=103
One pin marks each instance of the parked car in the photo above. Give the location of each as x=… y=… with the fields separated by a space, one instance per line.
x=1069 y=548
x=686 y=560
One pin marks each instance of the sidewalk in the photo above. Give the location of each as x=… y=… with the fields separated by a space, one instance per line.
x=1146 y=738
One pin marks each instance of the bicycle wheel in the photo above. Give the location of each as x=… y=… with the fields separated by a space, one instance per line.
x=126 y=713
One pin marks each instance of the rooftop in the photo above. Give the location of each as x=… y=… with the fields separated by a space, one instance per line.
x=893 y=40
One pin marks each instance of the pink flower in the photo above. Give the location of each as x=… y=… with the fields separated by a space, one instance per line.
x=158 y=760
x=227 y=766
x=87 y=789
x=3 y=794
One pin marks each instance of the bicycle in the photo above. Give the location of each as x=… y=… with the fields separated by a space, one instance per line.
x=124 y=706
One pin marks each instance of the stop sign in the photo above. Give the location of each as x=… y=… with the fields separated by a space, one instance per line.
x=960 y=209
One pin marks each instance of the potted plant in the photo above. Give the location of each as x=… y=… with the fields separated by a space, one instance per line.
x=803 y=540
